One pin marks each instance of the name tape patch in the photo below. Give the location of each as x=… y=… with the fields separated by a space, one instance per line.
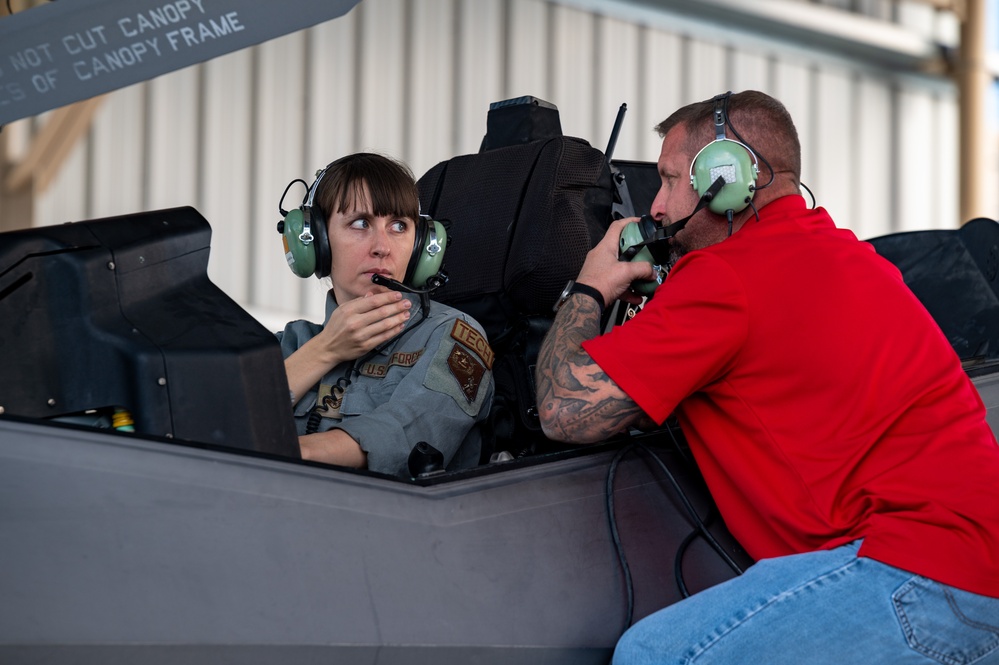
x=398 y=359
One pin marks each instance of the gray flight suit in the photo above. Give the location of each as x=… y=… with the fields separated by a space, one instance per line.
x=432 y=383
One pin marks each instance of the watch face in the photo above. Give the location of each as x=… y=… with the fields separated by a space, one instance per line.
x=564 y=295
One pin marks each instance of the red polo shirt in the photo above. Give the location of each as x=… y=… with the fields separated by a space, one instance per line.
x=820 y=399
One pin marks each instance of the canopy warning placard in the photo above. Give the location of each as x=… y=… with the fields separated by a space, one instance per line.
x=62 y=52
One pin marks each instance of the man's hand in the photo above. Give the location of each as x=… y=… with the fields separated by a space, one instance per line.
x=577 y=401
x=603 y=271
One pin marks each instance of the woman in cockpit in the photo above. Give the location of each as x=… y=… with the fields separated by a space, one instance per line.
x=389 y=368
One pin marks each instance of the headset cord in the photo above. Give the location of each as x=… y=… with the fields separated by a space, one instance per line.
x=814 y=202
x=700 y=524
x=316 y=415
x=312 y=424
x=763 y=159
x=730 y=214
x=678 y=563
x=682 y=549
x=615 y=537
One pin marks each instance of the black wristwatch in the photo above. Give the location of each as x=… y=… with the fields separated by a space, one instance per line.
x=572 y=287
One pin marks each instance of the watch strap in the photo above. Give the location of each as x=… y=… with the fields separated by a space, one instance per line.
x=588 y=290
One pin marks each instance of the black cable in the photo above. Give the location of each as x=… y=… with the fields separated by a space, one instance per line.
x=698 y=522
x=678 y=563
x=682 y=550
x=678 y=559
x=618 y=548
x=814 y=202
x=700 y=530
x=676 y=442
x=756 y=152
x=328 y=401
x=315 y=416
x=281 y=210
x=312 y=424
x=9 y=10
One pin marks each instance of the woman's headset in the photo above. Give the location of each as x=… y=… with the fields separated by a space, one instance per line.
x=307 y=247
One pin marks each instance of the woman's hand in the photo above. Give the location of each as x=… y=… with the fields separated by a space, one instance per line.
x=354 y=328
x=361 y=324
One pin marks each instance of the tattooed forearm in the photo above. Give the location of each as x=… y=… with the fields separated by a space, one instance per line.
x=577 y=401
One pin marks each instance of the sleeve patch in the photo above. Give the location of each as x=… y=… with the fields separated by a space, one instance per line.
x=467 y=371
x=474 y=340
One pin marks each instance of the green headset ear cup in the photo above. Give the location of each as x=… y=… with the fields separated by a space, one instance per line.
x=632 y=234
x=324 y=256
x=733 y=161
x=301 y=257
x=428 y=253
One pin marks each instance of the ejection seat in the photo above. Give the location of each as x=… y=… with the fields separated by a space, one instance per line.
x=521 y=214
x=955 y=274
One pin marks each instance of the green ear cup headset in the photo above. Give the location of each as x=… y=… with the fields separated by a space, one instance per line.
x=637 y=243
x=728 y=159
x=303 y=230
x=298 y=240
x=723 y=173
x=428 y=253
x=307 y=247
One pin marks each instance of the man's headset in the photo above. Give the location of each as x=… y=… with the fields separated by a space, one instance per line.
x=307 y=247
x=728 y=159
x=723 y=173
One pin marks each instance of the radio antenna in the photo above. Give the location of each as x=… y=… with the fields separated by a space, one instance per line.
x=622 y=205
x=612 y=142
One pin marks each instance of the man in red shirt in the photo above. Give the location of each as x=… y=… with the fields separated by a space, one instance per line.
x=843 y=443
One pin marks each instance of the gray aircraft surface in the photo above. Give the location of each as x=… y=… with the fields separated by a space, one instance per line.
x=201 y=537
x=195 y=533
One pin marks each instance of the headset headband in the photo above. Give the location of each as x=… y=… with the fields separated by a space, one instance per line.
x=732 y=162
x=311 y=196
x=721 y=115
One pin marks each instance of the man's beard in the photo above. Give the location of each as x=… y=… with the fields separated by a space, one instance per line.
x=676 y=252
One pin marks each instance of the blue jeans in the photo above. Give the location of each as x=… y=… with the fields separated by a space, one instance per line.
x=816 y=608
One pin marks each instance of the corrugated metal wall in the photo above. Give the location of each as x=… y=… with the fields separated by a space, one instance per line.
x=414 y=79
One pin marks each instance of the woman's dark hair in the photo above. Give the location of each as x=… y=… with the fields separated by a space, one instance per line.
x=390 y=184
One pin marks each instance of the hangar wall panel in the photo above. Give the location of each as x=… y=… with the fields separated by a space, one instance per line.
x=618 y=76
x=118 y=159
x=279 y=135
x=227 y=166
x=431 y=79
x=873 y=188
x=480 y=68
x=414 y=80
x=173 y=127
